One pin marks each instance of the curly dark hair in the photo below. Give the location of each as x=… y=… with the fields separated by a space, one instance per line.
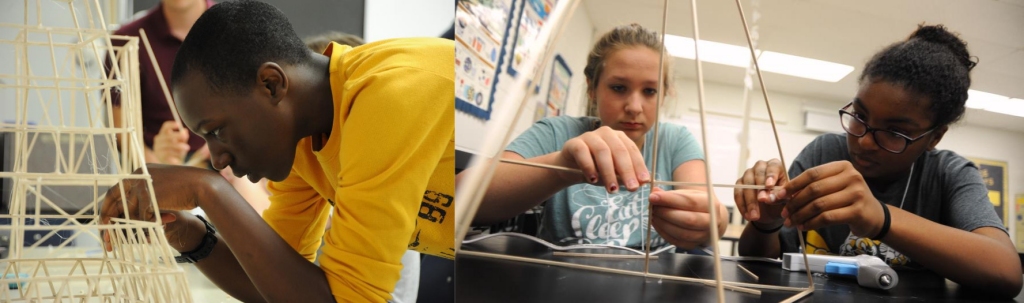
x=932 y=63
x=230 y=41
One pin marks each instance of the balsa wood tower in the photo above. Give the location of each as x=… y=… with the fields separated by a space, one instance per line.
x=62 y=111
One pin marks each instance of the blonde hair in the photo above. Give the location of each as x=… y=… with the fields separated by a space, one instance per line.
x=319 y=42
x=619 y=38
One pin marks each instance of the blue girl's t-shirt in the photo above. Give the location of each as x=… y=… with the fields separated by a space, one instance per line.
x=588 y=214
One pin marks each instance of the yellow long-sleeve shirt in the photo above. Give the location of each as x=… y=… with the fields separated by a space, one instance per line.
x=387 y=168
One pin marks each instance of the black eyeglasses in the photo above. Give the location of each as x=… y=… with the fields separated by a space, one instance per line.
x=891 y=141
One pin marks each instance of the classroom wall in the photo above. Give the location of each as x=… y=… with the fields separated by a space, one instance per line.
x=387 y=19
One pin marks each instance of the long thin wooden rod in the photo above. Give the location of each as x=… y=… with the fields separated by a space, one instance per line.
x=673 y=183
x=712 y=210
x=740 y=186
x=541 y=165
x=160 y=77
x=800 y=295
x=742 y=287
x=775 y=130
x=604 y=256
x=657 y=118
x=748 y=272
x=727 y=284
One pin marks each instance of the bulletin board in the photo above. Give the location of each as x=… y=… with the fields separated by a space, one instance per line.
x=558 y=87
x=531 y=18
x=481 y=29
x=995 y=175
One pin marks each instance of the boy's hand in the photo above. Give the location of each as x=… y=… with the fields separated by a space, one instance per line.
x=608 y=157
x=177 y=188
x=183 y=230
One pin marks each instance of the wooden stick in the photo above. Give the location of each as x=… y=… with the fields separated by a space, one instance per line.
x=748 y=272
x=541 y=165
x=740 y=186
x=727 y=284
x=737 y=288
x=799 y=296
x=775 y=130
x=573 y=170
x=712 y=210
x=657 y=117
x=606 y=256
x=160 y=77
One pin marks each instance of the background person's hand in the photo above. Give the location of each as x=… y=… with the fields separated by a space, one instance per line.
x=607 y=157
x=170 y=145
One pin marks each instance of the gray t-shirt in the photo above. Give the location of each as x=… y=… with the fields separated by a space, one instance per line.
x=944 y=188
x=588 y=214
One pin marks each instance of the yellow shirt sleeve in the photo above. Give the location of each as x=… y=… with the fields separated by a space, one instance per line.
x=298 y=214
x=398 y=127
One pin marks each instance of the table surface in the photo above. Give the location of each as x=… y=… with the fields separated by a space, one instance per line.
x=482 y=279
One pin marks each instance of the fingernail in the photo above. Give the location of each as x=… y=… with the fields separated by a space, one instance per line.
x=771 y=197
x=754 y=214
x=781 y=193
x=632 y=184
x=613 y=188
x=645 y=177
x=654 y=198
x=770 y=181
x=593 y=179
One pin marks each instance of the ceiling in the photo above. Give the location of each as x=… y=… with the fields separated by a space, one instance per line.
x=846 y=32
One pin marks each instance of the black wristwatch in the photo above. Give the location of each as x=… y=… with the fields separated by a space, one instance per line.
x=205 y=247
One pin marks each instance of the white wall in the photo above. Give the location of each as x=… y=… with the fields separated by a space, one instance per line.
x=387 y=19
x=573 y=45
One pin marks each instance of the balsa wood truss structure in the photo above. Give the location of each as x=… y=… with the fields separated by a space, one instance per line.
x=63 y=104
x=472 y=189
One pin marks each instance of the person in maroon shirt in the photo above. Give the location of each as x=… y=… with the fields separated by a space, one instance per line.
x=166 y=25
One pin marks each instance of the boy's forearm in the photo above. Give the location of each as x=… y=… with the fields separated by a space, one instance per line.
x=223 y=269
x=273 y=268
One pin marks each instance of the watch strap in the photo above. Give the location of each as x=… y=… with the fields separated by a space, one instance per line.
x=205 y=246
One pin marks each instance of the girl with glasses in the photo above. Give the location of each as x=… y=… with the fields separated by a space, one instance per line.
x=882 y=188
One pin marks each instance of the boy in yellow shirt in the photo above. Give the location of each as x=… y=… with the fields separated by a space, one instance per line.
x=368 y=130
